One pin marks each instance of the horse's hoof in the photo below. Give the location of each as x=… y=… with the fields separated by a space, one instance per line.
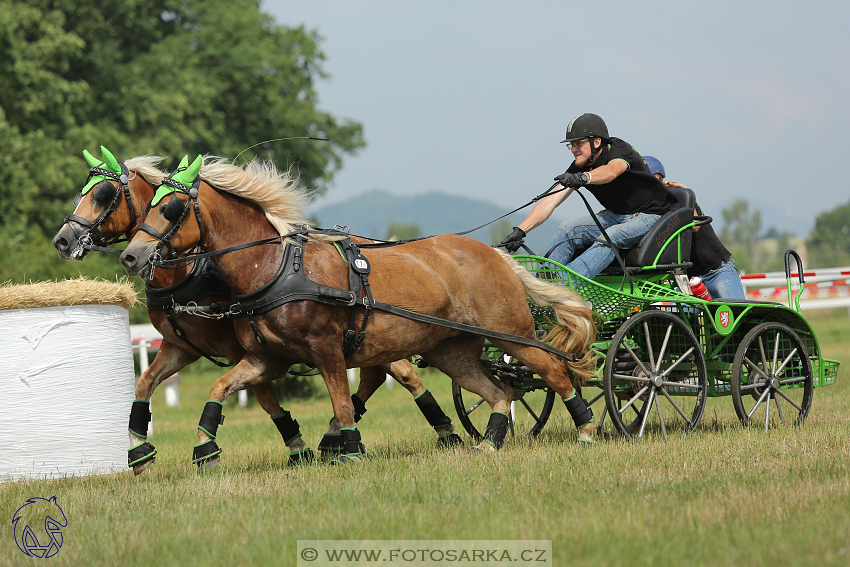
x=303 y=457
x=587 y=433
x=327 y=456
x=209 y=463
x=142 y=467
x=354 y=459
x=448 y=441
x=206 y=454
x=140 y=457
x=586 y=442
x=483 y=448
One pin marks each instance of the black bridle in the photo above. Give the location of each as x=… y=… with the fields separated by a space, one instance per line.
x=91 y=238
x=175 y=216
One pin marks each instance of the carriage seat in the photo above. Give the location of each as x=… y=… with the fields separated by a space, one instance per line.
x=647 y=249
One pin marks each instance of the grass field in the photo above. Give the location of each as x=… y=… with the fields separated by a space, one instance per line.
x=722 y=496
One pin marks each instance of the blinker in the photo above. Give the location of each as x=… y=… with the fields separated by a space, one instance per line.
x=173 y=209
x=104 y=193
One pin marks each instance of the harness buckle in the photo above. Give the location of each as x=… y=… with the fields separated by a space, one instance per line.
x=341 y=228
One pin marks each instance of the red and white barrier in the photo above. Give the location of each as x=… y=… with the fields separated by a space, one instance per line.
x=824 y=288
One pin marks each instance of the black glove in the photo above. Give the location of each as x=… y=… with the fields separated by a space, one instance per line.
x=568 y=179
x=514 y=240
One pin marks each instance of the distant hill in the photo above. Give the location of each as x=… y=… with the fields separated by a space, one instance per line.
x=369 y=214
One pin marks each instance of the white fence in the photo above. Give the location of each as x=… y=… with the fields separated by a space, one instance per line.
x=824 y=288
x=146 y=340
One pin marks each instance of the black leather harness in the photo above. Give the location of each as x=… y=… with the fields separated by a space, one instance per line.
x=202 y=282
x=292 y=284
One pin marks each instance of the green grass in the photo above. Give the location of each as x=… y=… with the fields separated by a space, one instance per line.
x=722 y=496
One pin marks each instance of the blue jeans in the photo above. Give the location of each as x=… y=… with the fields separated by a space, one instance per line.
x=724 y=281
x=625 y=231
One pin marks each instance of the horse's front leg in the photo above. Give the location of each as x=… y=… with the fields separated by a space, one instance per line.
x=169 y=359
x=332 y=368
x=248 y=373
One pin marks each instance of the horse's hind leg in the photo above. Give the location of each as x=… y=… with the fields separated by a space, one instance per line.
x=168 y=360
x=403 y=373
x=554 y=372
x=460 y=359
x=289 y=430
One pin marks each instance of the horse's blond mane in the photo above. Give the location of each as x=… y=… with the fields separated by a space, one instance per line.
x=146 y=166
x=278 y=194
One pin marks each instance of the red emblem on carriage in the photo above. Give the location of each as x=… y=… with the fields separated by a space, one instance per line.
x=724 y=319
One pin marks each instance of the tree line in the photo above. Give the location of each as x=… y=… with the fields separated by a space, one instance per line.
x=155 y=77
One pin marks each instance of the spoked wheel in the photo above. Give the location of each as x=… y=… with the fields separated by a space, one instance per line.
x=529 y=412
x=655 y=378
x=772 y=377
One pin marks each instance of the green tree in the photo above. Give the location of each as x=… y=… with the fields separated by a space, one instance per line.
x=741 y=227
x=163 y=77
x=829 y=243
x=402 y=231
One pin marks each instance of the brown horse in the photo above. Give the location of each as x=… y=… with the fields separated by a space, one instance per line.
x=211 y=337
x=450 y=277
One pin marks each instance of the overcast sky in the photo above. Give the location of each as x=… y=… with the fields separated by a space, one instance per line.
x=738 y=99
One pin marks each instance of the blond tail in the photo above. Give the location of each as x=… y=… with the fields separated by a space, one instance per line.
x=575 y=330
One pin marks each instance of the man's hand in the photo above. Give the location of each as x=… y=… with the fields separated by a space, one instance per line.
x=574 y=180
x=514 y=240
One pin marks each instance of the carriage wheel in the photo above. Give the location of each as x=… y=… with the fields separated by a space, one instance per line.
x=772 y=377
x=530 y=411
x=655 y=377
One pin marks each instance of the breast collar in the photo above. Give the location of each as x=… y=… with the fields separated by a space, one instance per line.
x=202 y=282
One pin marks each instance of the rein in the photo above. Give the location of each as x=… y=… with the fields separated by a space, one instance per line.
x=308 y=290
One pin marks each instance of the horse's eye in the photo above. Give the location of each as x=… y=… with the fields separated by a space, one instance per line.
x=173 y=209
x=77 y=198
x=104 y=193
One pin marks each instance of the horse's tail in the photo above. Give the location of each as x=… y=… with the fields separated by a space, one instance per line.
x=575 y=330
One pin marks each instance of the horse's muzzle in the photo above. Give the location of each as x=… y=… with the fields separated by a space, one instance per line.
x=65 y=241
x=135 y=259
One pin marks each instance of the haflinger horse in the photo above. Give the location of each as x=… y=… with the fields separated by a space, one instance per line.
x=112 y=204
x=297 y=296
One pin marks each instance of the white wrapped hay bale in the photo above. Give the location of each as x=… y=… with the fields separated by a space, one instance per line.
x=66 y=378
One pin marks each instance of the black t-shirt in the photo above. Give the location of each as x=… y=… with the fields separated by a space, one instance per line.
x=634 y=191
x=707 y=252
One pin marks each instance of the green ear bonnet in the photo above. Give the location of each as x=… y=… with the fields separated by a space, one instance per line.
x=181 y=180
x=108 y=165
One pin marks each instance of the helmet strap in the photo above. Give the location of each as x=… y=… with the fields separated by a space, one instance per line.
x=593 y=151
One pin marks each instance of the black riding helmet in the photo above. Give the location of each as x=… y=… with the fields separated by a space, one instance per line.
x=586 y=126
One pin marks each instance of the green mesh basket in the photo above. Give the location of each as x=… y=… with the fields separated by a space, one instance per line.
x=830 y=370
x=602 y=293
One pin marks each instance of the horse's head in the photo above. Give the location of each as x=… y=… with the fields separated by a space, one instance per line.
x=172 y=221
x=103 y=209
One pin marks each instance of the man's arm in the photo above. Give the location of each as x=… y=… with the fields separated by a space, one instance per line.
x=543 y=210
x=608 y=172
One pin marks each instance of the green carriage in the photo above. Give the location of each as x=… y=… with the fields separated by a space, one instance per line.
x=662 y=352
